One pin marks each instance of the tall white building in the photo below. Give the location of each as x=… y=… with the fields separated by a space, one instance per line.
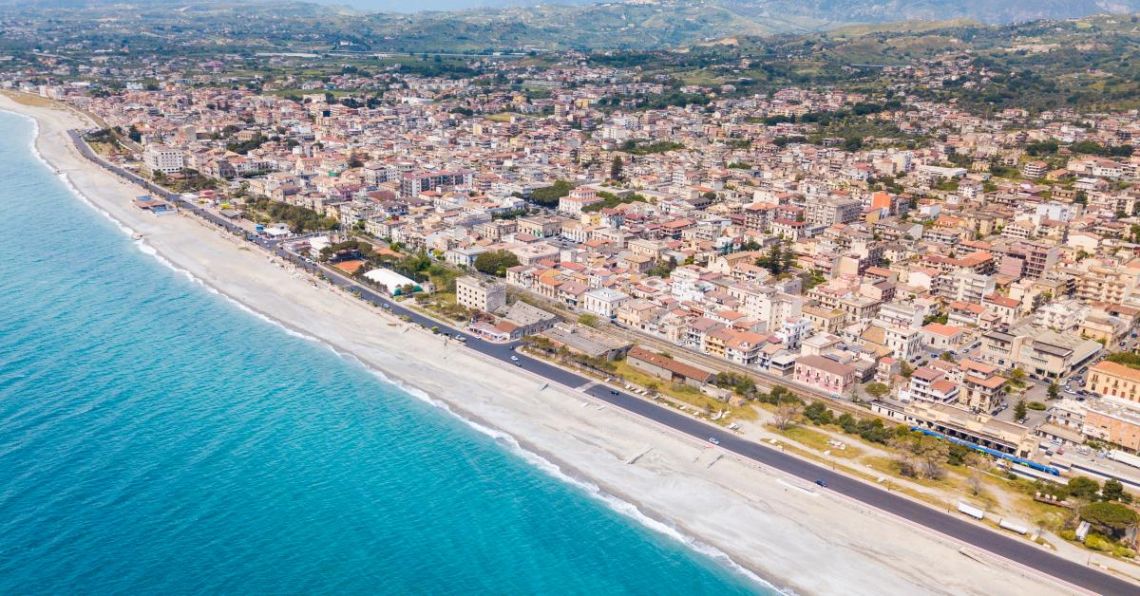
x=160 y=158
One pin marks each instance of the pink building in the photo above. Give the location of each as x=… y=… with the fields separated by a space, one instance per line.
x=825 y=374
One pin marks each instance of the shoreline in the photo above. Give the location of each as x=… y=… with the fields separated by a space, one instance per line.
x=676 y=494
x=532 y=454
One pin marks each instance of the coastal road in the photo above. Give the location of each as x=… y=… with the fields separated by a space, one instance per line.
x=982 y=538
x=1014 y=549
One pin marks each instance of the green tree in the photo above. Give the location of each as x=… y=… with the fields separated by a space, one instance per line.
x=818 y=413
x=1083 y=487
x=663 y=268
x=1020 y=411
x=616 y=168
x=1114 y=491
x=496 y=262
x=548 y=196
x=774 y=260
x=1054 y=391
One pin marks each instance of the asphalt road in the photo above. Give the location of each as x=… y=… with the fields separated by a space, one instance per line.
x=982 y=538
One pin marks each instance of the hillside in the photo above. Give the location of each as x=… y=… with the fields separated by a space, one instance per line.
x=534 y=26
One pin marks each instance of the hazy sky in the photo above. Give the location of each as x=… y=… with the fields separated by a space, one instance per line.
x=418 y=5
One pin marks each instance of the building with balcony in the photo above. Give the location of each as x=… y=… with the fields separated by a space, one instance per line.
x=824 y=374
x=1114 y=380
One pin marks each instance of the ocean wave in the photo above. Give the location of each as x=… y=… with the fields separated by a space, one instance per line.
x=613 y=502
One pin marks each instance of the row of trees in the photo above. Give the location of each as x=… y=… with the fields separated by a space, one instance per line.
x=610 y=200
x=1083 y=488
x=548 y=196
x=641 y=148
x=1051 y=146
x=349 y=249
x=300 y=219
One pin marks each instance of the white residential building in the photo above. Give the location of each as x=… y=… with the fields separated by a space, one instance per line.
x=476 y=294
x=160 y=158
x=603 y=302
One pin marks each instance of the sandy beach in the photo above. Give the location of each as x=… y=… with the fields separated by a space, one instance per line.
x=799 y=539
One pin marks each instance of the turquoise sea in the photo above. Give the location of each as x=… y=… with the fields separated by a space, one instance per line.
x=155 y=438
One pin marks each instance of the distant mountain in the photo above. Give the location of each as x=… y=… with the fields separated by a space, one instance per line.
x=849 y=11
x=874 y=11
x=638 y=24
x=526 y=24
x=990 y=11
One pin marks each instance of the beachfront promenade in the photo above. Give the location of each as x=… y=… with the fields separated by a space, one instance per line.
x=1014 y=549
x=977 y=536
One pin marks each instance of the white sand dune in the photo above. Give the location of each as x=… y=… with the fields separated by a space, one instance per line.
x=765 y=521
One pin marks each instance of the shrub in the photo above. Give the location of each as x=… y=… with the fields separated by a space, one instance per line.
x=1097 y=542
x=1068 y=534
x=1124 y=551
x=1109 y=515
x=818 y=413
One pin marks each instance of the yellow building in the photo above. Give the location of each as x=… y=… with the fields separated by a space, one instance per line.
x=1117 y=380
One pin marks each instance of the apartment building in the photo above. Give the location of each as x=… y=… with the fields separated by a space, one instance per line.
x=540 y=227
x=413 y=183
x=759 y=216
x=1034 y=258
x=1113 y=421
x=476 y=294
x=831 y=211
x=964 y=286
x=928 y=384
x=160 y=158
x=1041 y=353
x=982 y=385
x=1003 y=308
x=1103 y=283
x=1115 y=380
